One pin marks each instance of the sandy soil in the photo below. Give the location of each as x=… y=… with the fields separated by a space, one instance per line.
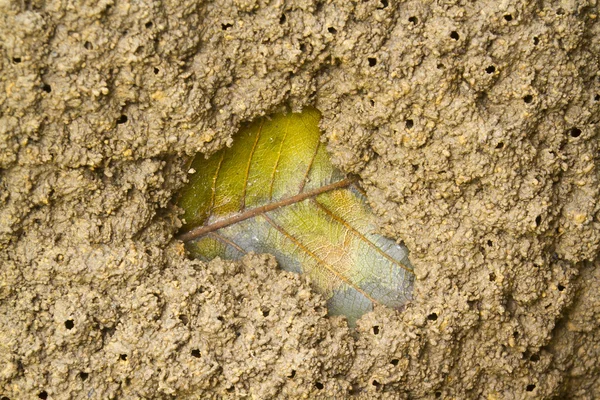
x=473 y=125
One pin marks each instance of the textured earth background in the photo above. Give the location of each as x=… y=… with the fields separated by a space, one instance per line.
x=473 y=125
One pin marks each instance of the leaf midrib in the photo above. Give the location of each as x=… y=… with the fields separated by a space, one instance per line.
x=253 y=212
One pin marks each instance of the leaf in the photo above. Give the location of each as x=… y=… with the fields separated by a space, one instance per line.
x=276 y=191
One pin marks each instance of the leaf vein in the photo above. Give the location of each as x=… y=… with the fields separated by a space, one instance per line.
x=317 y=259
x=214 y=184
x=277 y=161
x=243 y=205
x=358 y=234
x=310 y=165
x=228 y=242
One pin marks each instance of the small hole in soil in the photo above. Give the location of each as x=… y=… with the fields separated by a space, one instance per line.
x=432 y=317
x=265 y=313
x=220 y=318
x=409 y=123
x=17 y=60
x=88 y=46
x=195 y=353
x=372 y=61
x=184 y=319
x=530 y=387
x=560 y=11
x=500 y=145
x=414 y=20
x=575 y=132
x=156 y=71
x=536 y=41
x=597 y=97
x=123 y=357
x=384 y=4
x=490 y=243
x=528 y=98
x=226 y=26
x=69 y=324
x=4 y=398
x=149 y=24
x=230 y=389
x=440 y=66
x=491 y=69
x=376 y=383
x=43 y=394
x=122 y=119
x=319 y=385
x=376 y=330
x=472 y=304
x=332 y=30
x=302 y=47
x=292 y=374
x=438 y=395
x=534 y=357
x=492 y=277
x=515 y=334
x=46 y=88
x=395 y=362
x=372 y=103
x=83 y=375
x=560 y=288
x=538 y=220
x=454 y=35
x=508 y=17
x=282 y=19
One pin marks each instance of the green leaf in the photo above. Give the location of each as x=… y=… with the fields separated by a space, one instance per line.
x=276 y=191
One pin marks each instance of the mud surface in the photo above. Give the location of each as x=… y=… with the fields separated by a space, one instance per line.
x=474 y=126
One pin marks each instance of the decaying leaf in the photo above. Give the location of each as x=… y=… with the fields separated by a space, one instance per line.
x=276 y=191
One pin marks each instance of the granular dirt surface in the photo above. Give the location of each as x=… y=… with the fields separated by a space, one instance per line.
x=474 y=127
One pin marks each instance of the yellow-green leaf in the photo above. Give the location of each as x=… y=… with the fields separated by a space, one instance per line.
x=276 y=191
